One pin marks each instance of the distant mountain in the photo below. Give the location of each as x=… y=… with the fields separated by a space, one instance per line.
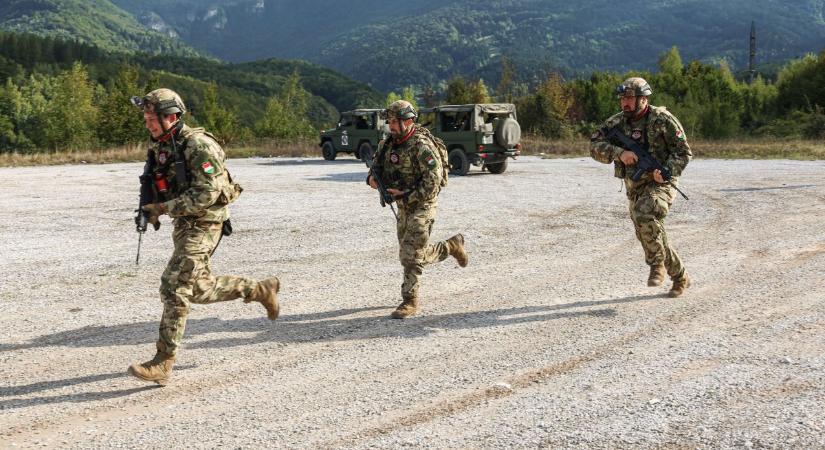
x=391 y=44
x=96 y=22
x=388 y=44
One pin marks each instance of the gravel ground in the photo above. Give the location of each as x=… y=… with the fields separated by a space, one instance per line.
x=550 y=338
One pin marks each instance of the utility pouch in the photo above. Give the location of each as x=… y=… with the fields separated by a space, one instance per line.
x=619 y=169
x=226 y=228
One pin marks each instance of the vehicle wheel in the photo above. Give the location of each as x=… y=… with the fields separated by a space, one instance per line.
x=508 y=133
x=459 y=163
x=498 y=167
x=328 y=151
x=365 y=153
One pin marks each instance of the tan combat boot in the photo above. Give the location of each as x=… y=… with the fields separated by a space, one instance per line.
x=266 y=293
x=157 y=369
x=679 y=285
x=455 y=246
x=657 y=275
x=407 y=308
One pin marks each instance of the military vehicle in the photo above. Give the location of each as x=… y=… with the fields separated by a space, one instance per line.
x=358 y=132
x=484 y=134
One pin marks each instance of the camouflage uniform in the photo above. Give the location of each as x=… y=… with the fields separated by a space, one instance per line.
x=198 y=204
x=199 y=211
x=413 y=166
x=649 y=200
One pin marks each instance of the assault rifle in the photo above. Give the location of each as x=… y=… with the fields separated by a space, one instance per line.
x=147 y=196
x=384 y=197
x=645 y=163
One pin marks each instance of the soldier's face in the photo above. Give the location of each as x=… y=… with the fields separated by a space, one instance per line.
x=629 y=103
x=156 y=127
x=397 y=124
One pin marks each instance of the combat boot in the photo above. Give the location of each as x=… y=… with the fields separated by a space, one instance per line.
x=455 y=247
x=657 y=275
x=679 y=285
x=407 y=308
x=157 y=369
x=266 y=293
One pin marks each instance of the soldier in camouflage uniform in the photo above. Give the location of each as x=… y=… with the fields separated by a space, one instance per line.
x=411 y=168
x=650 y=197
x=198 y=203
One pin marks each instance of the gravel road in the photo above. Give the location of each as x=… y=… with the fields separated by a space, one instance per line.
x=550 y=338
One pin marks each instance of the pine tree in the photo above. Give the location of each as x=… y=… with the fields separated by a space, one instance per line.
x=70 y=117
x=120 y=121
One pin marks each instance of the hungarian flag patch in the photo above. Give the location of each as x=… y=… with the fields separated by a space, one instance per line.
x=430 y=161
x=680 y=135
x=208 y=167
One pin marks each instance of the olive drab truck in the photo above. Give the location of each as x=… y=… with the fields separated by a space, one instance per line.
x=358 y=132
x=484 y=134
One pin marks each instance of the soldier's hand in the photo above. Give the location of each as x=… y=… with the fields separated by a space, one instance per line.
x=373 y=183
x=155 y=210
x=628 y=158
x=657 y=176
x=396 y=194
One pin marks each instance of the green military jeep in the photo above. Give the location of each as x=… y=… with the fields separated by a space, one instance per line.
x=358 y=132
x=485 y=134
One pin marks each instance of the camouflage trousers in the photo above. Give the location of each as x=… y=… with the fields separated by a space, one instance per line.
x=415 y=223
x=649 y=205
x=188 y=279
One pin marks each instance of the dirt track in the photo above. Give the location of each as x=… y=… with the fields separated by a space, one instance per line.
x=549 y=338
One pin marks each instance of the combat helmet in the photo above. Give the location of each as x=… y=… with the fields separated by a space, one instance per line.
x=634 y=87
x=401 y=109
x=164 y=101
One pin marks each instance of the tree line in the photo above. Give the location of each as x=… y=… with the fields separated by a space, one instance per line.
x=708 y=99
x=57 y=104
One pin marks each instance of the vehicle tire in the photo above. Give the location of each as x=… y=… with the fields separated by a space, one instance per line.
x=508 y=133
x=365 y=153
x=459 y=163
x=498 y=167
x=328 y=151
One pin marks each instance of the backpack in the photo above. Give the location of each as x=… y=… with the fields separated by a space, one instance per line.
x=441 y=150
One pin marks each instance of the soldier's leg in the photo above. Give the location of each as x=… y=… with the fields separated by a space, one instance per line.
x=649 y=212
x=207 y=288
x=173 y=320
x=424 y=219
x=639 y=218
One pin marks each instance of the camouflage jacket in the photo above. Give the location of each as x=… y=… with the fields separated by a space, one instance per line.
x=412 y=166
x=659 y=129
x=210 y=188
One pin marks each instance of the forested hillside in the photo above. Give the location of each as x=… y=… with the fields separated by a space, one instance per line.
x=96 y=22
x=390 y=46
x=61 y=94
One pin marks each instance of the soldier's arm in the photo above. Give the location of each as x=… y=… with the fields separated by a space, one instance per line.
x=676 y=139
x=430 y=170
x=600 y=148
x=205 y=165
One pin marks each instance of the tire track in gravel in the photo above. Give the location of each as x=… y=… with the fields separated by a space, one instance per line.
x=717 y=287
x=478 y=397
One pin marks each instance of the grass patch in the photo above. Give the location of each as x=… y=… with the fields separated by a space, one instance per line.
x=742 y=148
x=137 y=153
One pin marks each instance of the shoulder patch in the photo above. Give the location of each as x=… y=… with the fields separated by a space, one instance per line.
x=208 y=168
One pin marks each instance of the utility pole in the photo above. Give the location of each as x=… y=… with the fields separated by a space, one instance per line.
x=752 y=59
